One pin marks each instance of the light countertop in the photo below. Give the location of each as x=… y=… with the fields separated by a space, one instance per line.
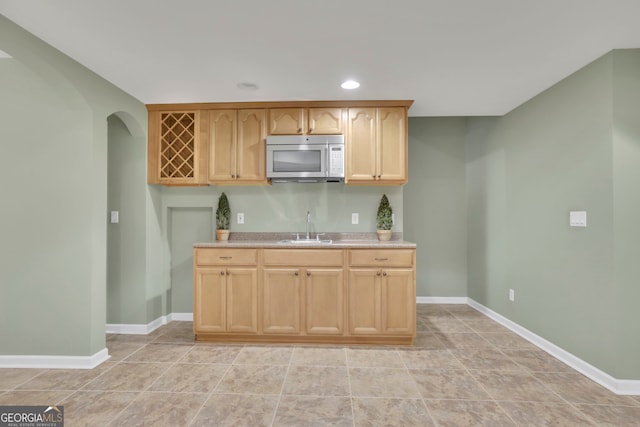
x=339 y=240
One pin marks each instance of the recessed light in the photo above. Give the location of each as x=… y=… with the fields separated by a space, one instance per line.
x=247 y=86
x=350 y=84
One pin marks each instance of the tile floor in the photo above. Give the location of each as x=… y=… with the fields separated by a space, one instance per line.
x=464 y=370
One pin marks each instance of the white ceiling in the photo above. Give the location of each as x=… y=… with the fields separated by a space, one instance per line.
x=453 y=57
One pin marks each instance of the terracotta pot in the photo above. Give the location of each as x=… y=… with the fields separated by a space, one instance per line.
x=384 y=235
x=222 y=234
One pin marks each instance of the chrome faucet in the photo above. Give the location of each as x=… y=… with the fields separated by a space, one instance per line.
x=308 y=220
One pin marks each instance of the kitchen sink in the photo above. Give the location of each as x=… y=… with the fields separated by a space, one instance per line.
x=306 y=241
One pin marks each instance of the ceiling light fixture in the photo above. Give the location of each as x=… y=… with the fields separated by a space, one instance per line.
x=350 y=84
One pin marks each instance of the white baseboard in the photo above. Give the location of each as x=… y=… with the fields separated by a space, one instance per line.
x=142 y=329
x=626 y=387
x=441 y=300
x=55 y=362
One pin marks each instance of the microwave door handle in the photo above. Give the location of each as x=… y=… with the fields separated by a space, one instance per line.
x=328 y=159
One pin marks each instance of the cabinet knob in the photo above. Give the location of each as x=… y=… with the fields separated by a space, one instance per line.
x=379 y=176
x=228 y=274
x=233 y=176
x=295 y=274
x=308 y=273
x=378 y=273
x=384 y=274
x=373 y=176
x=299 y=130
x=222 y=273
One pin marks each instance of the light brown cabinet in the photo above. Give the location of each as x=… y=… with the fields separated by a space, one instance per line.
x=237 y=146
x=305 y=295
x=382 y=292
x=376 y=146
x=303 y=121
x=174 y=148
x=225 y=291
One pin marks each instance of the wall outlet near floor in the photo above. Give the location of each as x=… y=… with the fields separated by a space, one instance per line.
x=355 y=218
x=240 y=218
x=512 y=295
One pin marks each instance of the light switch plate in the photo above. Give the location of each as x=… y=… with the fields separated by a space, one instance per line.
x=578 y=218
x=115 y=217
x=355 y=218
x=240 y=218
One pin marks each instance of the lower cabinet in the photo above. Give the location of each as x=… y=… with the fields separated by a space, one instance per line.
x=305 y=295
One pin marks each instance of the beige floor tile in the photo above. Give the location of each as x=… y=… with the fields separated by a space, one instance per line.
x=189 y=378
x=296 y=411
x=161 y=409
x=375 y=412
x=382 y=382
x=447 y=384
x=13 y=377
x=370 y=358
x=30 y=397
x=264 y=356
x=612 y=416
x=467 y=314
x=165 y=353
x=530 y=414
x=319 y=356
x=130 y=338
x=536 y=360
x=456 y=340
x=507 y=340
x=233 y=410
x=514 y=386
x=119 y=350
x=427 y=340
x=95 y=408
x=317 y=381
x=448 y=325
x=126 y=376
x=484 y=324
x=62 y=379
x=253 y=379
x=429 y=359
x=485 y=359
x=176 y=337
x=576 y=388
x=218 y=354
x=463 y=413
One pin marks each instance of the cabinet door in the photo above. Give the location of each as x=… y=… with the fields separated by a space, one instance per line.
x=242 y=300
x=281 y=301
x=364 y=302
x=326 y=121
x=324 y=311
x=392 y=145
x=209 y=303
x=398 y=302
x=251 y=147
x=287 y=121
x=174 y=148
x=361 y=145
x=222 y=145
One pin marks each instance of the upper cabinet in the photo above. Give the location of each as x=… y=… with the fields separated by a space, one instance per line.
x=237 y=146
x=174 y=148
x=224 y=143
x=307 y=121
x=376 y=145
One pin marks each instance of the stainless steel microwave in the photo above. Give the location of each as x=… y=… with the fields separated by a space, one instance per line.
x=305 y=158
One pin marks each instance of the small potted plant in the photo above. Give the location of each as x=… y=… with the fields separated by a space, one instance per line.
x=223 y=218
x=384 y=219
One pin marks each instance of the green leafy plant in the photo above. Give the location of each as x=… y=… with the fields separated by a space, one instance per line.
x=223 y=213
x=384 y=219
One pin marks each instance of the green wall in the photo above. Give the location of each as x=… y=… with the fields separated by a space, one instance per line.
x=566 y=149
x=435 y=205
x=53 y=134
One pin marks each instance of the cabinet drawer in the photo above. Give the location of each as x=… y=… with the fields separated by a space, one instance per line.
x=214 y=256
x=382 y=258
x=304 y=257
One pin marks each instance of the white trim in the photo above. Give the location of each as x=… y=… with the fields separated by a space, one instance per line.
x=181 y=317
x=141 y=329
x=626 y=387
x=55 y=362
x=441 y=300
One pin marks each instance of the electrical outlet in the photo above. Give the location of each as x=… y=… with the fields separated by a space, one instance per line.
x=240 y=218
x=115 y=217
x=512 y=295
x=355 y=218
